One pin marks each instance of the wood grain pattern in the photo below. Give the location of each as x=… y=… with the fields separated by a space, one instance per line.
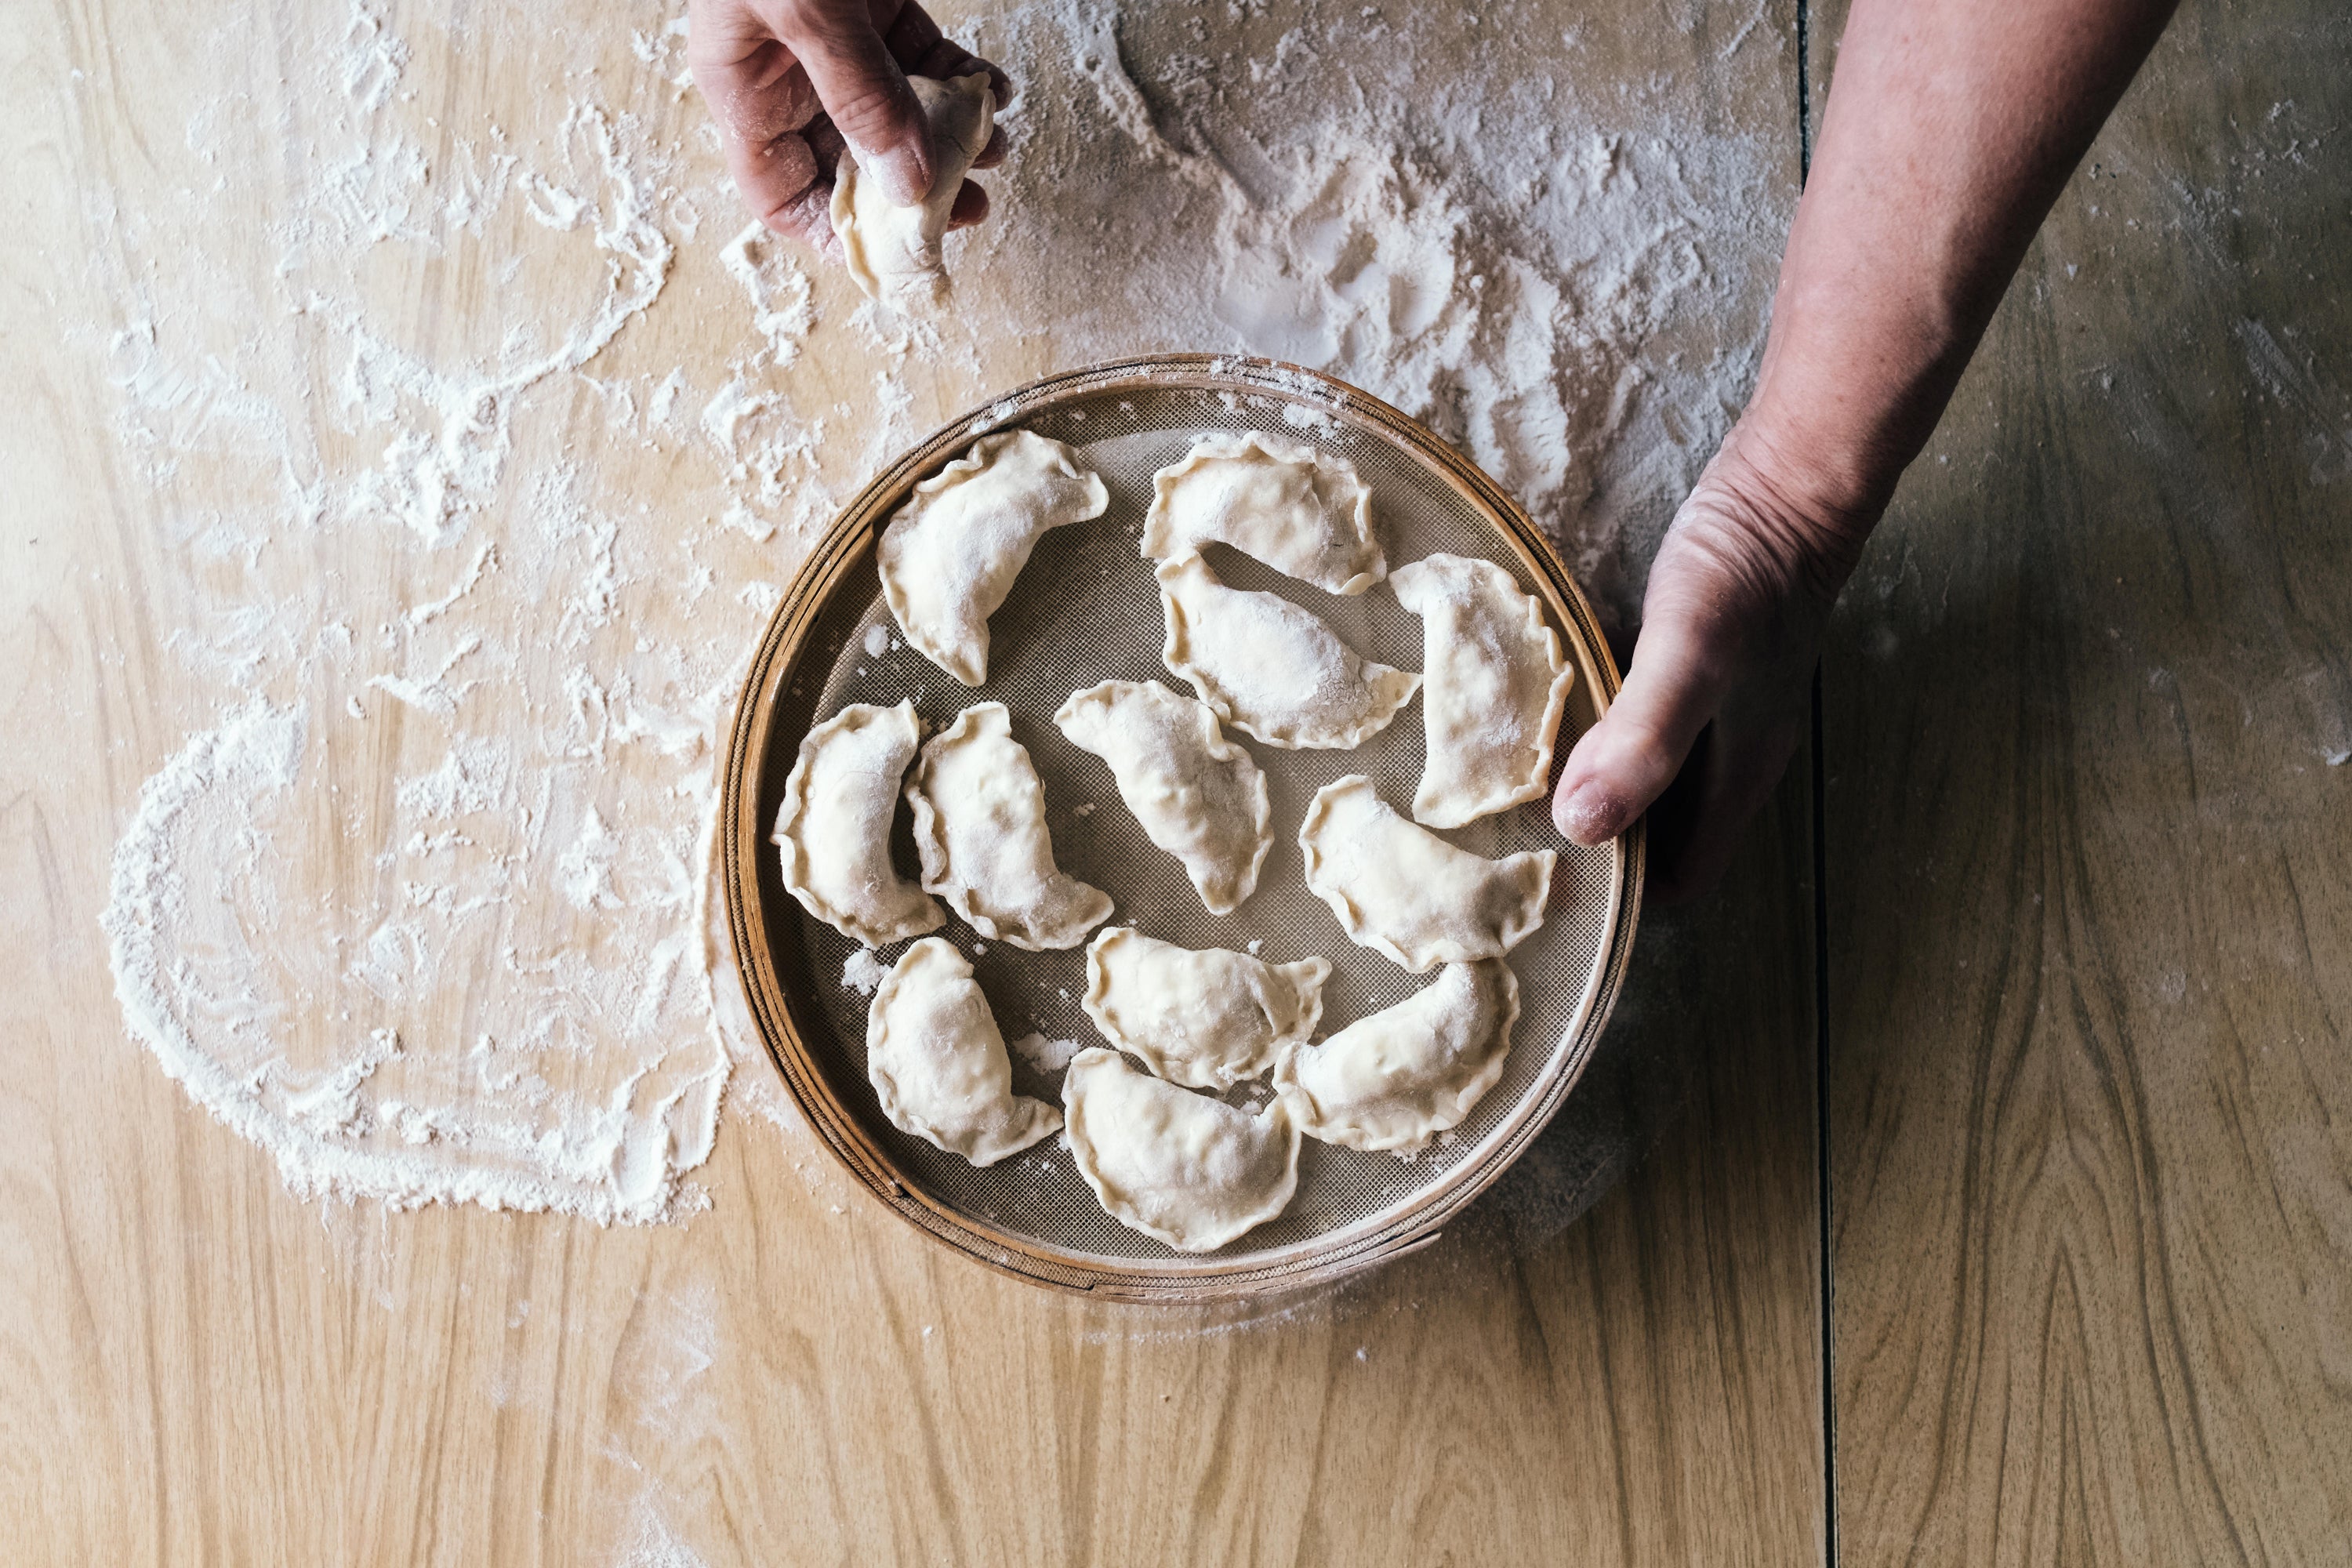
x=196 y=1367
x=2089 y=848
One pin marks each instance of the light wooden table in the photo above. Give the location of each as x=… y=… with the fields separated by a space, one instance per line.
x=2068 y=971
x=2087 y=714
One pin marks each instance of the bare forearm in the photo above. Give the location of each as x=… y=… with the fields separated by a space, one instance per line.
x=1951 y=127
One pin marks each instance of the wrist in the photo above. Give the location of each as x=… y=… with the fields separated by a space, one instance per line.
x=1804 y=516
x=1835 y=424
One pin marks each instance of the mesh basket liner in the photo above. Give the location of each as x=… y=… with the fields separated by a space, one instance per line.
x=1086 y=609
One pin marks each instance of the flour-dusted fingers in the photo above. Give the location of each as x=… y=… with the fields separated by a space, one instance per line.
x=970 y=206
x=863 y=88
x=824 y=141
x=806 y=215
x=763 y=104
x=754 y=84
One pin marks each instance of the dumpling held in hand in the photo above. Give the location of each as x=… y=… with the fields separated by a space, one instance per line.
x=893 y=253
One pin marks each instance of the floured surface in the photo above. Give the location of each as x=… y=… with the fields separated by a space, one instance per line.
x=795 y=1374
x=467 y=587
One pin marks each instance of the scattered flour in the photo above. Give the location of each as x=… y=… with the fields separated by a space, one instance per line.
x=653 y=1542
x=778 y=289
x=1574 y=292
x=421 y=904
x=862 y=972
x=1046 y=1056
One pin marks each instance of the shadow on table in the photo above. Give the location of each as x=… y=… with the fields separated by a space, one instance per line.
x=1719 y=989
x=1643 y=1071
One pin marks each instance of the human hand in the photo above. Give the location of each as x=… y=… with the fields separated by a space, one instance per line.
x=790 y=81
x=1720 y=691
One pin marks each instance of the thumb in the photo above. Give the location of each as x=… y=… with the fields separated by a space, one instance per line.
x=1627 y=760
x=864 y=92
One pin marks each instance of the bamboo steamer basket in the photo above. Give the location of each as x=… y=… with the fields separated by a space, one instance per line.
x=1085 y=609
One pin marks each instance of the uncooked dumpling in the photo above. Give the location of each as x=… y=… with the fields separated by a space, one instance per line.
x=951 y=555
x=1493 y=683
x=893 y=253
x=1206 y=1019
x=1303 y=512
x=936 y=1059
x=980 y=827
x=1270 y=668
x=1192 y=1171
x=1403 y=891
x=1398 y=1079
x=1198 y=796
x=834 y=828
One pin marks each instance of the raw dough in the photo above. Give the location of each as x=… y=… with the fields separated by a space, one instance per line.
x=1303 y=512
x=893 y=253
x=950 y=553
x=1495 y=685
x=834 y=828
x=1398 y=1079
x=1403 y=891
x=1198 y=796
x=980 y=827
x=1192 y=1171
x=934 y=1055
x=1270 y=668
x=1206 y=1019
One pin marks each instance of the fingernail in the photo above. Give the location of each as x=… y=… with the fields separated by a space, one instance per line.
x=1588 y=815
x=903 y=175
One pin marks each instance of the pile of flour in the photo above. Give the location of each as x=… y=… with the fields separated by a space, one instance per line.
x=422 y=904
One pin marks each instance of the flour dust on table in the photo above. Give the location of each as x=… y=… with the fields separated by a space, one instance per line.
x=511 y=428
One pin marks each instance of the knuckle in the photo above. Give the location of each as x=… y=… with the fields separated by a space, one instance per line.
x=806 y=215
x=824 y=25
x=866 y=114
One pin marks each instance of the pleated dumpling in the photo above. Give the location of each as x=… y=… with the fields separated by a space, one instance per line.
x=1207 y=1019
x=1270 y=668
x=893 y=253
x=1198 y=796
x=950 y=553
x=834 y=828
x=937 y=1060
x=1492 y=685
x=980 y=827
x=1402 y=891
x=1398 y=1079
x=1303 y=512
x=1194 y=1172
